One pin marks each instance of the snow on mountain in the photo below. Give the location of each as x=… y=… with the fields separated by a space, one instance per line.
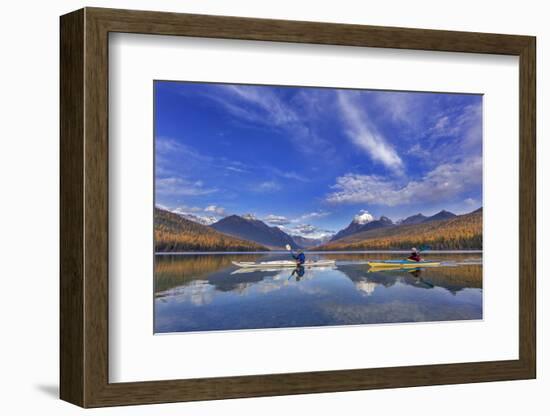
x=204 y=220
x=356 y=226
x=184 y=213
x=363 y=217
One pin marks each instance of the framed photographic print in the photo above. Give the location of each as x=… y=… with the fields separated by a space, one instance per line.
x=256 y=207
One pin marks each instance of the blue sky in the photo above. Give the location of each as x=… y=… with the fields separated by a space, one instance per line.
x=310 y=159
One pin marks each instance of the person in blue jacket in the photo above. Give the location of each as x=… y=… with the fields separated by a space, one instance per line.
x=300 y=258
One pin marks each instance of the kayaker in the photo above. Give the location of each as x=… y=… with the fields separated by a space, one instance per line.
x=415 y=255
x=300 y=258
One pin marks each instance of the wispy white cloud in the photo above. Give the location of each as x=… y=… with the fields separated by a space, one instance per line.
x=267 y=102
x=448 y=180
x=276 y=219
x=267 y=186
x=443 y=127
x=179 y=165
x=170 y=153
x=172 y=147
x=173 y=186
x=224 y=97
x=236 y=169
x=298 y=225
x=290 y=175
x=263 y=107
x=206 y=216
x=400 y=107
x=457 y=121
x=215 y=209
x=455 y=133
x=312 y=215
x=362 y=132
x=253 y=104
x=184 y=209
x=308 y=231
x=418 y=151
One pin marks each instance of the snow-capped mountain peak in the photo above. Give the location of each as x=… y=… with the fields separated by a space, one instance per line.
x=363 y=217
x=204 y=220
x=200 y=219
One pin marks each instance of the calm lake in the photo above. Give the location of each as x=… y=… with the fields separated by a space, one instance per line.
x=206 y=292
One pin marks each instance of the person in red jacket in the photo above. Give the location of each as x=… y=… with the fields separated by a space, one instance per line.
x=415 y=255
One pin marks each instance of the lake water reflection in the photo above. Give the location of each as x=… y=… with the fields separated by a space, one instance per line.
x=206 y=292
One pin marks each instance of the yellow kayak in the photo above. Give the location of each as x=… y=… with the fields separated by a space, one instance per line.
x=402 y=264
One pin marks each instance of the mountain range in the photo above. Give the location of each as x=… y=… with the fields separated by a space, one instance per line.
x=419 y=218
x=306 y=242
x=443 y=230
x=251 y=229
x=181 y=232
x=359 y=226
x=362 y=223
x=413 y=219
x=175 y=233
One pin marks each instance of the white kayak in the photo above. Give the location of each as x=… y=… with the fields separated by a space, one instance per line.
x=281 y=263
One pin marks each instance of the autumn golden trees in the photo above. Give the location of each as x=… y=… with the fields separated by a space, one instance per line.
x=174 y=233
x=463 y=232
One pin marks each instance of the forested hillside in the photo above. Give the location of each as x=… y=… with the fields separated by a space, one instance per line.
x=462 y=232
x=174 y=233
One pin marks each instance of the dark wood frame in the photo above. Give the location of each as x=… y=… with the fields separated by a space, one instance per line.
x=84 y=207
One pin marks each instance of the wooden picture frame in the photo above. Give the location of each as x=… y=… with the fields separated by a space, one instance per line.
x=84 y=207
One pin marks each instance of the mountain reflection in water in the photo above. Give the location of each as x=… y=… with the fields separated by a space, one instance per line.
x=204 y=292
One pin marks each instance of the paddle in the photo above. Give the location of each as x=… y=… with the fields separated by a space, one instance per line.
x=289 y=249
